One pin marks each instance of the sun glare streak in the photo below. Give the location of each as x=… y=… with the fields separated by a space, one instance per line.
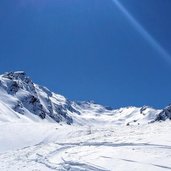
x=163 y=53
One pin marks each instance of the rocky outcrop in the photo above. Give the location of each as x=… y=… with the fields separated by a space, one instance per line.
x=165 y=114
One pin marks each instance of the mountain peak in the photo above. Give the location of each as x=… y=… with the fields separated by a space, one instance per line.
x=15 y=75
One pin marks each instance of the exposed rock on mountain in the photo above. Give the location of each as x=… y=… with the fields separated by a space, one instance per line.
x=22 y=100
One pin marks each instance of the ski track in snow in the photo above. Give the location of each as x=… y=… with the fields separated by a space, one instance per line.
x=46 y=147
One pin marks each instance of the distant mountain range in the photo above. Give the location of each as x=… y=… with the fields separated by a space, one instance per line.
x=21 y=100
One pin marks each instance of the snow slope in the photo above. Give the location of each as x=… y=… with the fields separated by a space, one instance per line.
x=47 y=147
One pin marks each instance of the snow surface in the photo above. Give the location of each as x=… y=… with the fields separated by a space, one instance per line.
x=43 y=131
x=46 y=147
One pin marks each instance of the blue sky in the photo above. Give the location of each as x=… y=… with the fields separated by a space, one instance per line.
x=89 y=49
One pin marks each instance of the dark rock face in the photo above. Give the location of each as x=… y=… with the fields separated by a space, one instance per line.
x=19 y=85
x=13 y=87
x=15 y=75
x=165 y=114
x=32 y=103
x=19 y=80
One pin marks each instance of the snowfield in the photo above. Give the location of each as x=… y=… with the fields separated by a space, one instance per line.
x=43 y=131
x=45 y=147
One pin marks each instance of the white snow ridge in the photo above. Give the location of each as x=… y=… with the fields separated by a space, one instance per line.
x=43 y=131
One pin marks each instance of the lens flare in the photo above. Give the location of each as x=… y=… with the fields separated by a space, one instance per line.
x=156 y=45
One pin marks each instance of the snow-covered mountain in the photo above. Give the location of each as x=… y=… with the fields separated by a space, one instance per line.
x=21 y=100
x=89 y=136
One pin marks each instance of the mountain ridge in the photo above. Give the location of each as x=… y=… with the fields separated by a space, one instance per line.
x=23 y=100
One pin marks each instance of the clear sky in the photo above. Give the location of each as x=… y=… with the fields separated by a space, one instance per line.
x=90 y=49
